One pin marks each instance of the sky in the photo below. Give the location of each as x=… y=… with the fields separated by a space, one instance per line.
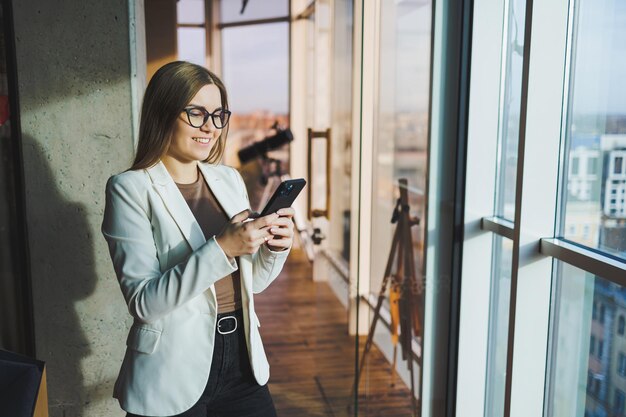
x=256 y=67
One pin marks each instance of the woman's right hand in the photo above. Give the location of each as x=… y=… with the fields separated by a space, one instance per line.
x=244 y=238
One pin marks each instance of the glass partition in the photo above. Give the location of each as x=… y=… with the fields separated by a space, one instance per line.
x=401 y=131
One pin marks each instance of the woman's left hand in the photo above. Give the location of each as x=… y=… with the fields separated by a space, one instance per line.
x=282 y=230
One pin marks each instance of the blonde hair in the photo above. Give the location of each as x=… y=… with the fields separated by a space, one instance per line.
x=169 y=91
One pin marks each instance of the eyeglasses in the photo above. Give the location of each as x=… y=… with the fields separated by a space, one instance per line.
x=198 y=117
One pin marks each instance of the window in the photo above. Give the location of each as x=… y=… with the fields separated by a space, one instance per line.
x=506 y=176
x=592 y=167
x=597 y=116
x=620 y=402
x=600 y=349
x=191 y=31
x=572 y=128
x=601 y=316
x=592 y=345
x=586 y=231
x=510 y=108
x=575 y=165
x=231 y=11
x=621 y=323
x=499 y=325
x=577 y=293
x=617 y=165
x=257 y=98
x=621 y=369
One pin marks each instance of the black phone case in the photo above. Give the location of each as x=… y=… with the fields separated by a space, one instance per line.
x=283 y=196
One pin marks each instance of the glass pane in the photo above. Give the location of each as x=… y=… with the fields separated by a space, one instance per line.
x=513 y=53
x=342 y=122
x=257 y=80
x=192 y=45
x=498 y=326
x=588 y=352
x=400 y=149
x=190 y=11
x=595 y=191
x=230 y=10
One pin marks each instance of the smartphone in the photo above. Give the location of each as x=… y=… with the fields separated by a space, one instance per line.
x=284 y=196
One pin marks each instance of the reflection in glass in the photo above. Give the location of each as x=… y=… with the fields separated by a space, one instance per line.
x=513 y=53
x=588 y=365
x=402 y=123
x=257 y=81
x=498 y=326
x=230 y=10
x=595 y=189
x=400 y=149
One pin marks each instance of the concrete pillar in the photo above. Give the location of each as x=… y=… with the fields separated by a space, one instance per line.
x=76 y=101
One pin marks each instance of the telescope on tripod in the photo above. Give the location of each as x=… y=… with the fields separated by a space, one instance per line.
x=260 y=149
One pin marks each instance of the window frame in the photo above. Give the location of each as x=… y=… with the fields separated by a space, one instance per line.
x=537 y=219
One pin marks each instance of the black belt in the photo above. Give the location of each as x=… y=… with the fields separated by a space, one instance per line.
x=228 y=323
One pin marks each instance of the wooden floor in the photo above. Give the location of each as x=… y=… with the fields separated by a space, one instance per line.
x=311 y=355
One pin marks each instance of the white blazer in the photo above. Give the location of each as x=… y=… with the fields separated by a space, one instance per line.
x=167 y=270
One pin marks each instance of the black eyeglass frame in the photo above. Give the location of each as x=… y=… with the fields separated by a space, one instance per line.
x=214 y=116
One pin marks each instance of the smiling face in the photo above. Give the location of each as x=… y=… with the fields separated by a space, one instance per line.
x=190 y=144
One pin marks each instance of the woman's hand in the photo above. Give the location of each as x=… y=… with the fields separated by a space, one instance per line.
x=282 y=230
x=244 y=238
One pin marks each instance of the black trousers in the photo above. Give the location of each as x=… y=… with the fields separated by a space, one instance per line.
x=231 y=390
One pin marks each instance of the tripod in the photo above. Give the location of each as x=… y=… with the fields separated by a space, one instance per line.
x=403 y=293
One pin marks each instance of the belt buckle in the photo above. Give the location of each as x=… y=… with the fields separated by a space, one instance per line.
x=225 y=318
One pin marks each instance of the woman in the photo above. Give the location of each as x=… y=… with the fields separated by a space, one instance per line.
x=189 y=259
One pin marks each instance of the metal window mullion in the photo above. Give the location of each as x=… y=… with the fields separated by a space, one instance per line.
x=191 y=25
x=594 y=262
x=499 y=226
x=543 y=80
x=254 y=22
x=518 y=212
